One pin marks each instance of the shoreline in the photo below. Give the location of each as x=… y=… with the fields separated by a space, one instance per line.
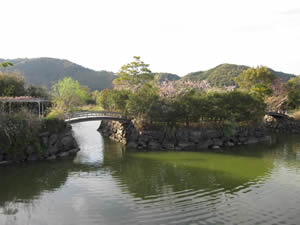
x=192 y=139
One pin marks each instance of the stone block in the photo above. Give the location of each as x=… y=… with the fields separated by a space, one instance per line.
x=52 y=157
x=53 y=139
x=67 y=142
x=132 y=145
x=251 y=140
x=63 y=154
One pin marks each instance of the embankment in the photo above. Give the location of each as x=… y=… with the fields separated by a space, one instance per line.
x=53 y=140
x=180 y=138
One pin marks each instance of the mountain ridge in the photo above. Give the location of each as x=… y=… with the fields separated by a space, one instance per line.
x=224 y=74
x=46 y=71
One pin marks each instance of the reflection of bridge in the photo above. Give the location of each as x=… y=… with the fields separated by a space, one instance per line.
x=74 y=117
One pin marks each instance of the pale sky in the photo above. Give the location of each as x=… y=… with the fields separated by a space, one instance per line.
x=176 y=36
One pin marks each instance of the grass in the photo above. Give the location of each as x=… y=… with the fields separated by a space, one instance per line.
x=90 y=108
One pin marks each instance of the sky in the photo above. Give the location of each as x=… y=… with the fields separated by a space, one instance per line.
x=176 y=36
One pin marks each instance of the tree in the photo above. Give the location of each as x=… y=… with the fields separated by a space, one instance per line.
x=256 y=80
x=114 y=100
x=135 y=73
x=11 y=85
x=34 y=91
x=5 y=64
x=68 y=94
x=293 y=87
x=140 y=103
x=186 y=107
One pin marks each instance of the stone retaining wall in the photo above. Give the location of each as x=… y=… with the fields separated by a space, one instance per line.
x=53 y=146
x=282 y=125
x=179 y=138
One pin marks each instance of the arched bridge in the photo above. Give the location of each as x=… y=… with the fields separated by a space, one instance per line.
x=74 y=117
x=278 y=115
x=81 y=116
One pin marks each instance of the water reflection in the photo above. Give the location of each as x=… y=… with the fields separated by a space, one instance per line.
x=257 y=184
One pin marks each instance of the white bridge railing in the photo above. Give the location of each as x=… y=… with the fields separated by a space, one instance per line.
x=87 y=114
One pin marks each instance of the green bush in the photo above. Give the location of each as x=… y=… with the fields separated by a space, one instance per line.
x=19 y=130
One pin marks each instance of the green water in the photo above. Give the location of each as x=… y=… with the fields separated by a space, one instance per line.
x=104 y=184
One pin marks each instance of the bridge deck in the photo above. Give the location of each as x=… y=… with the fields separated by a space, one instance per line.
x=278 y=115
x=88 y=116
x=106 y=115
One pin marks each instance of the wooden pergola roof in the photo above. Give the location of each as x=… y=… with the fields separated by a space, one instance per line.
x=23 y=99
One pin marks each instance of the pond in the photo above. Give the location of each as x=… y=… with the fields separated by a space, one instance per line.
x=104 y=184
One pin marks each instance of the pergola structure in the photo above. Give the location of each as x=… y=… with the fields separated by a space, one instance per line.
x=25 y=99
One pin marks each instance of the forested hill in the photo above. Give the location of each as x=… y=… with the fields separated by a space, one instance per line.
x=45 y=71
x=160 y=77
x=224 y=74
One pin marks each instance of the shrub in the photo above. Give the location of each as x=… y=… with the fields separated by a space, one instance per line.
x=19 y=130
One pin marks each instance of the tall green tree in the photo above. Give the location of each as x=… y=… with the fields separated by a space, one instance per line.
x=134 y=73
x=68 y=94
x=256 y=80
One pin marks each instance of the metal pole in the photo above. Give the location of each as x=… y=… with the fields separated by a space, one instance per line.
x=42 y=109
x=39 y=109
x=9 y=107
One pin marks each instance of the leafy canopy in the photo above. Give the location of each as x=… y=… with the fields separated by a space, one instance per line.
x=256 y=80
x=134 y=73
x=5 y=64
x=11 y=85
x=68 y=94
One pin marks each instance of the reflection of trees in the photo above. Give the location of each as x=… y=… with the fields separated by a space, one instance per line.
x=285 y=147
x=26 y=182
x=146 y=177
x=149 y=177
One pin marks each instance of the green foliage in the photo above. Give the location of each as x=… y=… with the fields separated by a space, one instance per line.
x=5 y=64
x=226 y=108
x=19 y=130
x=142 y=102
x=40 y=92
x=256 y=80
x=114 y=100
x=293 y=86
x=219 y=76
x=53 y=125
x=11 y=85
x=95 y=96
x=225 y=74
x=134 y=73
x=186 y=107
x=22 y=129
x=68 y=94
